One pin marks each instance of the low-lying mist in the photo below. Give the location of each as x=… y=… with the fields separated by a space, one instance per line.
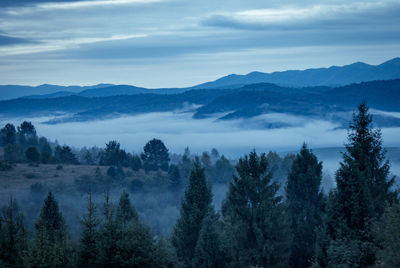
x=179 y=130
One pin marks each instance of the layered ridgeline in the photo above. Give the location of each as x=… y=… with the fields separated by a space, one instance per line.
x=332 y=103
x=333 y=76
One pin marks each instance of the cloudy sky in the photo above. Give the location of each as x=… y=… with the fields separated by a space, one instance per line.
x=176 y=43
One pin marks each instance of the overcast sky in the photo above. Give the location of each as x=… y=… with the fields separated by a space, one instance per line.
x=176 y=43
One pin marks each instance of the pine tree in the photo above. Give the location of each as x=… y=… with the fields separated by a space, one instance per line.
x=108 y=237
x=88 y=248
x=125 y=211
x=304 y=206
x=49 y=247
x=208 y=252
x=363 y=189
x=8 y=135
x=165 y=254
x=256 y=233
x=387 y=233
x=155 y=156
x=32 y=155
x=195 y=205
x=13 y=236
x=174 y=178
x=45 y=151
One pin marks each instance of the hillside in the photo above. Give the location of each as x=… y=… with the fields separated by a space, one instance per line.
x=247 y=101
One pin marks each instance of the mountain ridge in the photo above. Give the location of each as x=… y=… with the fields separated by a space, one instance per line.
x=314 y=77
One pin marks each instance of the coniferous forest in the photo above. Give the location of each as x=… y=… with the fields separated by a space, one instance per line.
x=275 y=211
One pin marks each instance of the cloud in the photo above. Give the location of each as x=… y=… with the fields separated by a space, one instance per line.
x=6 y=40
x=55 y=45
x=189 y=42
x=63 y=5
x=314 y=17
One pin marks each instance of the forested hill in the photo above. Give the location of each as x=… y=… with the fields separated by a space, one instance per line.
x=247 y=101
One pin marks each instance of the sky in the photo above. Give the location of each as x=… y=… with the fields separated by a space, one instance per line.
x=178 y=43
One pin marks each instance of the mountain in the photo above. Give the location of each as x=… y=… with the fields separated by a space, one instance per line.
x=16 y=91
x=316 y=79
x=332 y=76
x=334 y=104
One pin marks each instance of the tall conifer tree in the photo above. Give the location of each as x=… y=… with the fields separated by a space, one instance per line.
x=363 y=189
x=195 y=206
x=304 y=206
x=88 y=248
x=255 y=228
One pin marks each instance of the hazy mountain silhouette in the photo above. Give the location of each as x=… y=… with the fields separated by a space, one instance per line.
x=247 y=101
x=332 y=76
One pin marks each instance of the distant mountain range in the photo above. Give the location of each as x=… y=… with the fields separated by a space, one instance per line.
x=333 y=103
x=332 y=76
x=323 y=77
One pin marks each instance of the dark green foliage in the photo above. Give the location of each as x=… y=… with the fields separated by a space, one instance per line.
x=26 y=135
x=48 y=247
x=304 y=206
x=113 y=155
x=32 y=155
x=45 y=151
x=155 y=156
x=125 y=211
x=205 y=159
x=124 y=240
x=256 y=233
x=64 y=155
x=194 y=208
x=13 y=153
x=363 y=190
x=208 y=252
x=223 y=170
x=387 y=233
x=8 y=135
x=186 y=165
x=165 y=254
x=136 y=246
x=136 y=163
x=174 y=178
x=116 y=173
x=12 y=236
x=88 y=248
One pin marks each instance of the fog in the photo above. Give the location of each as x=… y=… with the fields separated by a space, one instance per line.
x=178 y=130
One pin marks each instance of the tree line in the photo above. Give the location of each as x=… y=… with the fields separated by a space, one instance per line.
x=356 y=225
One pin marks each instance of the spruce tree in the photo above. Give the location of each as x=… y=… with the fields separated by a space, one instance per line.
x=12 y=236
x=88 y=248
x=208 y=252
x=108 y=237
x=125 y=211
x=49 y=247
x=363 y=189
x=195 y=206
x=256 y=233
x=174 y=178
x=304 y=206
x=387 y=233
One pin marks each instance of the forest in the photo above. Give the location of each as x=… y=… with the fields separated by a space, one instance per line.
x=105 y=207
